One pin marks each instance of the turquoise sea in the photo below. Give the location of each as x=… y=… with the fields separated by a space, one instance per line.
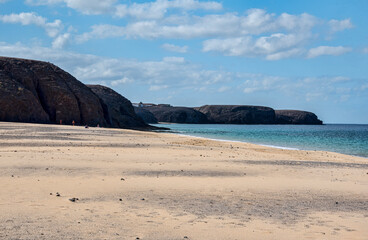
x=349 y=139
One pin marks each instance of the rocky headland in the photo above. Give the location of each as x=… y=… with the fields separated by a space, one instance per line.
x=238 y=114
x=177 y=114
x=146 y=115
x=227 y=114
x=40 y=92
x=296 y=117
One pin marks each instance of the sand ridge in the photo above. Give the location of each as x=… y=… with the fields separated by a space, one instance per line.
x=146 y=185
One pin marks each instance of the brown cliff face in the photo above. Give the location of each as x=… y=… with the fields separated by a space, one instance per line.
x=35 y=91
x=40 y=92
x=296 y=117
x=146 y=115
x=119 y=111
x=177 y=114
x=238 y=114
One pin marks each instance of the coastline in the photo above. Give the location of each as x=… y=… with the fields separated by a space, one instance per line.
x=133 y=184
x=296 y=141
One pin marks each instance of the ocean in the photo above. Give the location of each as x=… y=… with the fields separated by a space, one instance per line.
x=349 y=139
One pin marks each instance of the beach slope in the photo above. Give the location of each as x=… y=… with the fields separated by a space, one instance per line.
x=63 y=182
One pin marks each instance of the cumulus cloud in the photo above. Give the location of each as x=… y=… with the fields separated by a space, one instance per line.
x=124 y=80
x=149 y=10
x=174 y=59
x=327 y=50
x=176 y=73
x=256 y=33
x=85 y=7
x=340 y=25
x=31 y=18
x=255 y=22
x=174 y=48
x=61 y=41
x=101 y=31
x=158 y=9
x=273 y=47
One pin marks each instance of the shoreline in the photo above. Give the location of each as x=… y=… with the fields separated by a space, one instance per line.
x=133 y=184
x=181 y=133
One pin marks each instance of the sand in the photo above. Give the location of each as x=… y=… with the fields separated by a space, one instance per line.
x=145 y=185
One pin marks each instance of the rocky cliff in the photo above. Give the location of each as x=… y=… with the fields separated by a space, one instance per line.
x=177 y=114
x=296 y=117
x=146 y=115
x=238 y=114
x=118 y=111
x=40 y=92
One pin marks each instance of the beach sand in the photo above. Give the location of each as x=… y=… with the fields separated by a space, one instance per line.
x=145 y=185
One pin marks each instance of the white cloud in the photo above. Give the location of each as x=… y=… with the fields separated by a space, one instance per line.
x=92 y=6
x=254 y=34
x=121 y=81
x=101 y=31
x=285 y=54
x=158 y=87
x=365 y=50
x=231 y=25
x=273 y=47
x=149 y=10
x=29 y=18
x=157 y=9
x=86 y=7
x=337 y=26
x=327 y=50
x=61 y=41
x=174 y=59
x=174 y=48
x=176 y=73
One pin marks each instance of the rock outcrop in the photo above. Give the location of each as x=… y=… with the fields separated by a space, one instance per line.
x=177 y=114
x=34 y=91
x=238 y=114
x=146 y=115
x=40 y=92
x=118 y=111
x=296 y=117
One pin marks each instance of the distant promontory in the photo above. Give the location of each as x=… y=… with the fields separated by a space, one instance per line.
x=225 y=114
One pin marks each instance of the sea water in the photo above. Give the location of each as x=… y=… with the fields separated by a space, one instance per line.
x=349 y=139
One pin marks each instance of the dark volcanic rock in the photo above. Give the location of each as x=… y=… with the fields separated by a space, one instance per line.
x=146 y=115
x=40 y=92
x=296 y=117
x=238 y=114
x=177 y=114
x=34 y=91
x=118 y=111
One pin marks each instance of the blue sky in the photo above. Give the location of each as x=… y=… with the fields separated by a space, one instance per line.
x=308 y=55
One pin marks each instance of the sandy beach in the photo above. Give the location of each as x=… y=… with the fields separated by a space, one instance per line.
x=64 y=182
